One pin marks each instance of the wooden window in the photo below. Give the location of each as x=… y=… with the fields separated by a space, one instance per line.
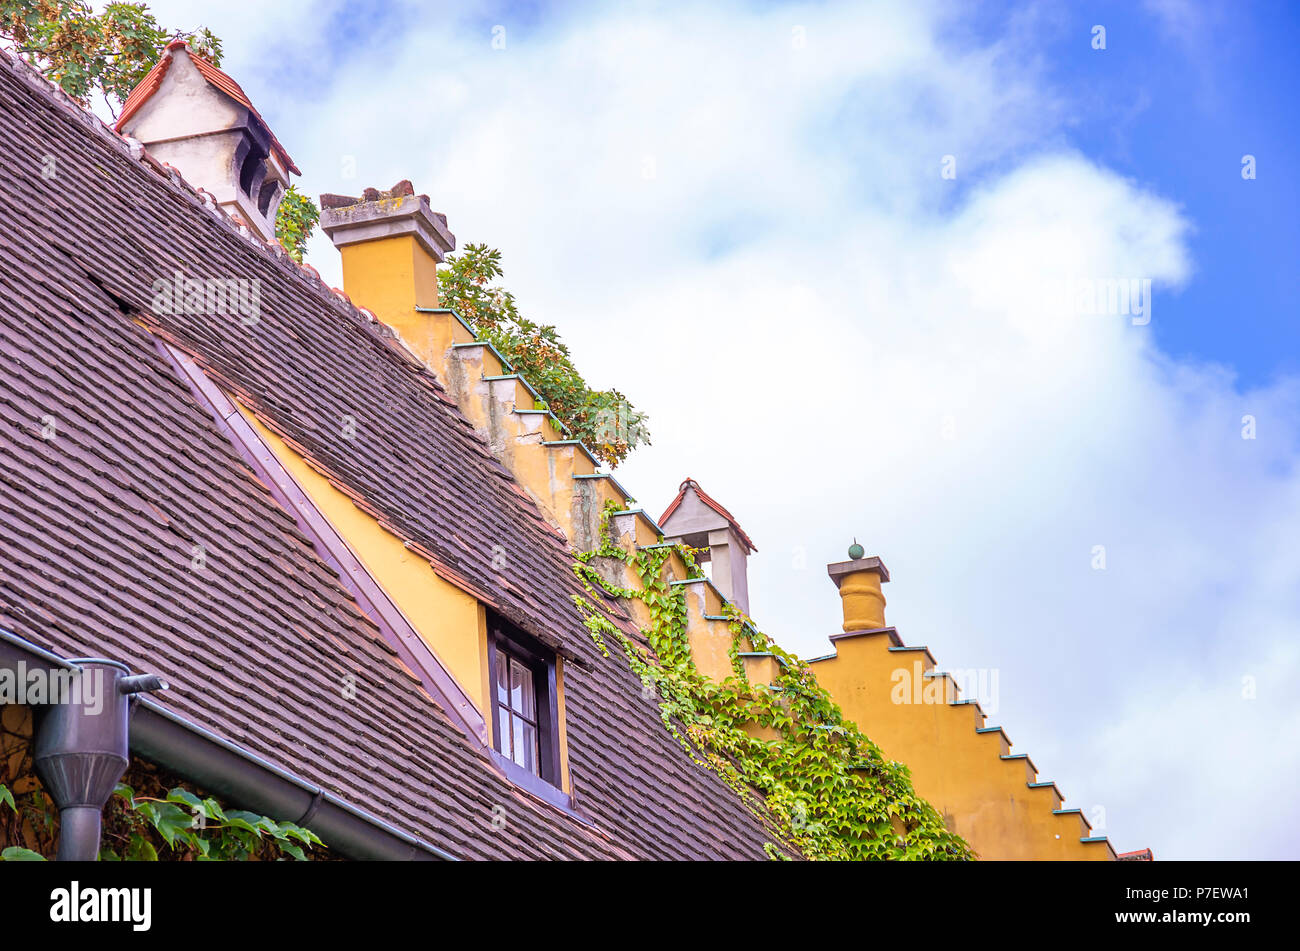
x=525 y=720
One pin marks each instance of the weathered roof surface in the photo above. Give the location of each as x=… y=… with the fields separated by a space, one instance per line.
x=99 y=523
x=215 y=77
x=1141 y=855
x=689 y=484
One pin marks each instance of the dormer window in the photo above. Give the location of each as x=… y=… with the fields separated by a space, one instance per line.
x=525 y=717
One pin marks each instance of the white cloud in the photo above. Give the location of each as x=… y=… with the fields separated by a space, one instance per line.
x=801 y=303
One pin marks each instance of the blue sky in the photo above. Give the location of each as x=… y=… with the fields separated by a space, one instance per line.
x=1174 y=101
x=735 y=213
x=1179 y=95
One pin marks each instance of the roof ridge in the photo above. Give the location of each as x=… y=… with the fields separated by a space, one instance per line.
x=135 y=227
x=136 y=150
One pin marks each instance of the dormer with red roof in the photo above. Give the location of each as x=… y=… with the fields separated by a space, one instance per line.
x=697 y=520
x=191 y=115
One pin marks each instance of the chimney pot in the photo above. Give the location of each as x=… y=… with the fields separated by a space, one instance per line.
x=859 y=582
x=391 y=214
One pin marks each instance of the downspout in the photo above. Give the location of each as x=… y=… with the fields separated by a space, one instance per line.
x=81 y=748
x=203 y=758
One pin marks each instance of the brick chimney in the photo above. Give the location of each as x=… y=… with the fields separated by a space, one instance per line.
x=191 y=115
x=391 y=243
x=859 y=580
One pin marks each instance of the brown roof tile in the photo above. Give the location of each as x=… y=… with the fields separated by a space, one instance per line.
x=98 y=524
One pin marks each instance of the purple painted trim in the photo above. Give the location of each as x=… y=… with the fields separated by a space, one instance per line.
x=331 y=547
x=551 y=795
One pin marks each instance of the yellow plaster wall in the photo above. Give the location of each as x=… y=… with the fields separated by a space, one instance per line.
x=392 y=277
x=451 y=622
x=983 y=798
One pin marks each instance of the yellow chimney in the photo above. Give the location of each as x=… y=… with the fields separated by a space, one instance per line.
x=391 y=244
x=859 y=581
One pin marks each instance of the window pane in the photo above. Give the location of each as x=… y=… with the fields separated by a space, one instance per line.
x=503 y=730
x=503 y=674
x=520 y=752
x=522 y=697
x=525 y=746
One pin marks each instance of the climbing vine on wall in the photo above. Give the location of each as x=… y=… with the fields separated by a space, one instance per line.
x=819 y=785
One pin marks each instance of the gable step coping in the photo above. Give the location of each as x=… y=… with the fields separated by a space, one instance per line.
x=1075 y=811
x=447 y=310
x=485 y=343
x=502 y=377
x=555 y=420
x=780 y=660
x=558 y=443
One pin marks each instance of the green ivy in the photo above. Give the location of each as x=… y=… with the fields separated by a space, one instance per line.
x=198 y=828
x=190 y=827
x=295 y=220
x=821 y=788
x=604 y=420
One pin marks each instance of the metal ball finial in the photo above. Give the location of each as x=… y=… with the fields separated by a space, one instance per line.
x=855 y=550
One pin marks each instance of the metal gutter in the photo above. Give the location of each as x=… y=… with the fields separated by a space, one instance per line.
x=241 y=777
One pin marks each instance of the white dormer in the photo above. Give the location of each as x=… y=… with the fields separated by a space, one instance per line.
x=190 y=114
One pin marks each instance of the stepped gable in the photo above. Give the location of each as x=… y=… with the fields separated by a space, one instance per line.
x=101 y=522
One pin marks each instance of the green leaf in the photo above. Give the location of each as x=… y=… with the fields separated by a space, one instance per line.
x=140 y=850
x=7 y=796
x=238 y=819
x=16 y=854
x=169 y=819
x=186 y=797
x=301 y=834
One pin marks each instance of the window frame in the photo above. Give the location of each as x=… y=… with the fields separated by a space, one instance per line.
x=515 y=644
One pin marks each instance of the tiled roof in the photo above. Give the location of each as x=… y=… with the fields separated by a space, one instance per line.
x=99 y=523
x=1141 y=855
x=708 y=500
x=215 y=77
